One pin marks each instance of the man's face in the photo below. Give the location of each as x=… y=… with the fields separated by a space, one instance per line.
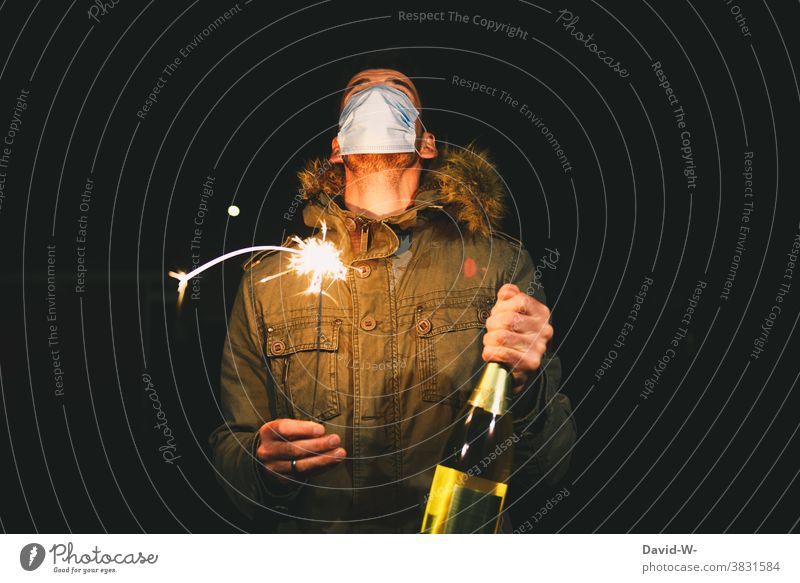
x=376 y=162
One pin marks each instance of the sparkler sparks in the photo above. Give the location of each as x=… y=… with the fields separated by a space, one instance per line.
x=317 y=258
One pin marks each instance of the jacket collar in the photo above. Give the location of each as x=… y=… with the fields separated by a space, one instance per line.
x=462 y=183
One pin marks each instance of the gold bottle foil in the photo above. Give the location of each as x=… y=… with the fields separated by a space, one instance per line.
x=490 y=394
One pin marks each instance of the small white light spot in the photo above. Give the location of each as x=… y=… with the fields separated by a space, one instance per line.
x=233 y=210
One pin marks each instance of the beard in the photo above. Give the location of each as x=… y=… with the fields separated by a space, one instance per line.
x=391 y=164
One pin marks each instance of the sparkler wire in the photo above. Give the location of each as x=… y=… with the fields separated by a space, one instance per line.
x=319 y=337
x=222 y=258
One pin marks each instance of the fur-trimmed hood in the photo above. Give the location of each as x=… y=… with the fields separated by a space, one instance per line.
x=461 y=182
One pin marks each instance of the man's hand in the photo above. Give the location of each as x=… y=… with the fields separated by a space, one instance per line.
x=283 y=440
x=517 y=333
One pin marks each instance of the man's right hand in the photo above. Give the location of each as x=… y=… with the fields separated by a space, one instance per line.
x=283 y=440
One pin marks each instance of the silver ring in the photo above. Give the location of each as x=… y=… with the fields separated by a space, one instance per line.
x=294 y=467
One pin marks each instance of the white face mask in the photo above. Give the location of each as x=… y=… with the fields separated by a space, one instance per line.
x=378 y=120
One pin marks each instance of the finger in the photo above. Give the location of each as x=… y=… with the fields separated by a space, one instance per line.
x=509 y=339
x=519 y=302
x=285 y=429
x=302 y=448
x=507 y=291
x=514 y=321
x=517 y=360
x=536 y=341
x=521 y=323
x=540 y=347
x=524 y=305
x=308 y=465
x=311 y=464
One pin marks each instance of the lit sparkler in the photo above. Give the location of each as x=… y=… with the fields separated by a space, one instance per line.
x=317 y=258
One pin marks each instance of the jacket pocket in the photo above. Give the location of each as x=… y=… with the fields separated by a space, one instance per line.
x=449 y=346
x=307 y=377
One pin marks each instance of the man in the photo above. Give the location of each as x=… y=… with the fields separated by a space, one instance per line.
x=342 y=432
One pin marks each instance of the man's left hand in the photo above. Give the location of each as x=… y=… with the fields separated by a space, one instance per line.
x=517 y=333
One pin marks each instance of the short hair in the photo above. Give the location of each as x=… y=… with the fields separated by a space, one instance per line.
x=402 y=61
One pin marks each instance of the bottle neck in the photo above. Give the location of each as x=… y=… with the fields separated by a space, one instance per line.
x=492 y=390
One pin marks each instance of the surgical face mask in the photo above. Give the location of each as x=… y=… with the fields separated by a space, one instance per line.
x=377 y=120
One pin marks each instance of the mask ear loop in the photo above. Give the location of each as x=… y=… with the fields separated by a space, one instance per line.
x=424 y=130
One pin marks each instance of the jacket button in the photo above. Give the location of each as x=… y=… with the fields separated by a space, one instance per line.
x=368 y=323
x=363 y=270
x=350 y=224
x=423 y=326
x=278 y=347
x=483 y=314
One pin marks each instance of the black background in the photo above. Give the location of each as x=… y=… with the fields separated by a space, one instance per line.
x=713 y=449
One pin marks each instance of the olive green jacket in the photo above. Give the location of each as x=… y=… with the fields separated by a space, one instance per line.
x=399 y=353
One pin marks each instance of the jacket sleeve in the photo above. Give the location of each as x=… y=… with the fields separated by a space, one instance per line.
x=543 y=417
x=245 y=383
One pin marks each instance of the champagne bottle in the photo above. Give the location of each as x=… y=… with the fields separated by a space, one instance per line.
x=469 y=484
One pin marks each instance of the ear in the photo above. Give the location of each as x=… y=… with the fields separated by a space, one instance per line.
x=336 y=157
x=427 y=146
